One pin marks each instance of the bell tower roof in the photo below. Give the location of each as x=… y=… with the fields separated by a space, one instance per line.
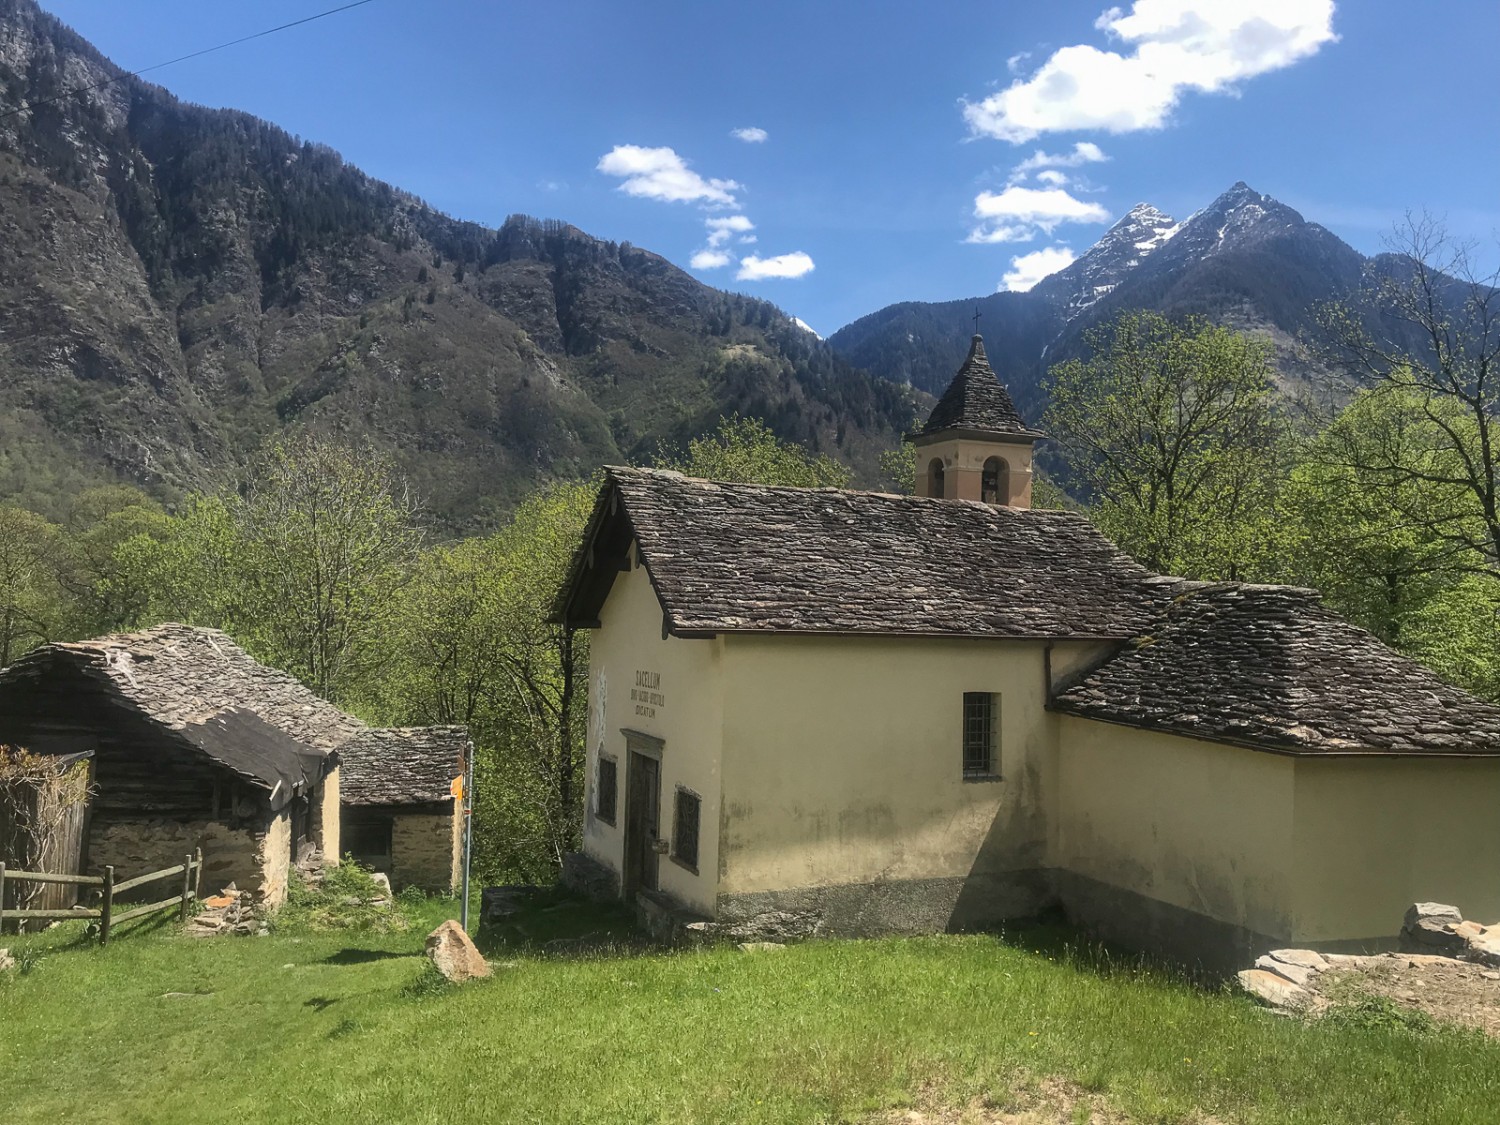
x=976 y=401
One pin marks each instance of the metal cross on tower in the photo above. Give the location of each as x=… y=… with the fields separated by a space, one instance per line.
x=976 y=320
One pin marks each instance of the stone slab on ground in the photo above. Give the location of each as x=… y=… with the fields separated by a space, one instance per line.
x=453 y=952
x=1297 y=974
x=499 y=903
x=1306 y=958
x=760 y=947
x=1273 y=989
x=6 y=960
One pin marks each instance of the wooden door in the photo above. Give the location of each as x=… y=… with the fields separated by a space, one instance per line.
x=642 y=820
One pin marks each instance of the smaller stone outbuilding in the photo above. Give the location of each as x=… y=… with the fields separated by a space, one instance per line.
x=400 y=814
x=194 y=745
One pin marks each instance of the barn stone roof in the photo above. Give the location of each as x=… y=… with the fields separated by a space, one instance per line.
x=749 y=558
x=259 y=722
x=975 y=400
x=1272 y=667
x=402 y=765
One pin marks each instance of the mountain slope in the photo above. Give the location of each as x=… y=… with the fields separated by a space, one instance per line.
x=179 y=283
x=1245 y=260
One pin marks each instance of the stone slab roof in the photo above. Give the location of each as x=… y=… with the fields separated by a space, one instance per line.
x=1272 y=667
x=975 y=400
x=402 y=765
x=750 y=558
x=199 y=683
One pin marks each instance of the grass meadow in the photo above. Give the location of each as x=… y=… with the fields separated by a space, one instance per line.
x=333 y=1026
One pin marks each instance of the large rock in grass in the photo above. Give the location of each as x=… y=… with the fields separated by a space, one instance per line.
x=6 y=960
x=455 y=956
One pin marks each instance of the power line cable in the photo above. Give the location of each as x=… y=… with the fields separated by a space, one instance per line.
x=181 y=58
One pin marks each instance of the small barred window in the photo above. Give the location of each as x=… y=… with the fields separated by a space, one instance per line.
x=981 y=721
x=685 y=828
x=607 y=791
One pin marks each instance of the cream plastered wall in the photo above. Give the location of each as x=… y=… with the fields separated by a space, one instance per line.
x=1374 y=836
x=329 y=817
x=1198 y=825
x=843 y=760
x=670 y=689
x=963 y=468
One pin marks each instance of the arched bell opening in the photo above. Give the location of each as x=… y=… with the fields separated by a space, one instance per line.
x=935 y=477
x=994 y=482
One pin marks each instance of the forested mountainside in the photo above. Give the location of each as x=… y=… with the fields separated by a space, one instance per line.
x=1246 y=261
x=179 y=283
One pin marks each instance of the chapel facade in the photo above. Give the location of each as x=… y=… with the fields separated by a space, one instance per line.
x=874 y=713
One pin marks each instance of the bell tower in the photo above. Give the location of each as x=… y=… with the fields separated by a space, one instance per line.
x=975 y=445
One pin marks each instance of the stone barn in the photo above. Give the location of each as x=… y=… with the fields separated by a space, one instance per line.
x=195 y=745
x=400 y=814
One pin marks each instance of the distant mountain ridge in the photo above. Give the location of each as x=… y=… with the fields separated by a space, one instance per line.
x=1246 y=260
x=179 y=283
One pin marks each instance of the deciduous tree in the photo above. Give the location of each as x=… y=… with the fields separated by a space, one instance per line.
x=1171 y=436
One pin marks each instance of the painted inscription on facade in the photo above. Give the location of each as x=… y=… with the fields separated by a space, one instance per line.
x=646 y=695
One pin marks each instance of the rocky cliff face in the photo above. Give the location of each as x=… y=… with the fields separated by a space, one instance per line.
x=179 y=283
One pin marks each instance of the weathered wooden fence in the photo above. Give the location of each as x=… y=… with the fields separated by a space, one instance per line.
x=189 y=868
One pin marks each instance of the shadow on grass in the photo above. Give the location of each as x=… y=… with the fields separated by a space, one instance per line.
x=554 y=923
x=320 y=1003
x=364 y=956
x=1052 y=937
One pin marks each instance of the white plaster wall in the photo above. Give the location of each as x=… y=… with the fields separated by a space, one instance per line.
x=687 y=716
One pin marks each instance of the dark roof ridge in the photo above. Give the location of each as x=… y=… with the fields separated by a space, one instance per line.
x=830 y=490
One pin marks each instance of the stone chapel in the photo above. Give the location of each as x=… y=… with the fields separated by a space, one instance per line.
x=860 y=713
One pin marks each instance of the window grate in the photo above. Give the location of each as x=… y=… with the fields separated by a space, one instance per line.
x=685 y=828
x=979 y=734
x=607 y=791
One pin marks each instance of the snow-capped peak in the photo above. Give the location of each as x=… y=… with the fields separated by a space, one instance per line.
x=1141 y=232
x=802 y=324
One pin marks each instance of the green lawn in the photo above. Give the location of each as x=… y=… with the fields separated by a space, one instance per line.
x=345 y=1027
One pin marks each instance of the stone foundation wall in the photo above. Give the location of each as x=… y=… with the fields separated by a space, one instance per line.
x=898 y=906
x=589 y=877
x=423 y=851
x=137 y=845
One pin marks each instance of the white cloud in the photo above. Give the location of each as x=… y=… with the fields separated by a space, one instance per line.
x=1018 y=214
x=1175 y=46
x=1052 y=176
x=1084 y=152
x=659 y=173
x=721 y=229
x=710 y=260
x=1016 y=62
x=751 y=136
x=1027 y=269
x=794 y=264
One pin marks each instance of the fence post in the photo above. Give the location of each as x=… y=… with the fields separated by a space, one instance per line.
x=187 y=887
x=2 y=898
x=107 y=906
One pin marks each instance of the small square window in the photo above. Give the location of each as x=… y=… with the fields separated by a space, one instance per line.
x=606 y=792
x=981 y=724
x=685 y=828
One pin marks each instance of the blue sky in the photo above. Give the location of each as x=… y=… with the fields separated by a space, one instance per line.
x=894 y=134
